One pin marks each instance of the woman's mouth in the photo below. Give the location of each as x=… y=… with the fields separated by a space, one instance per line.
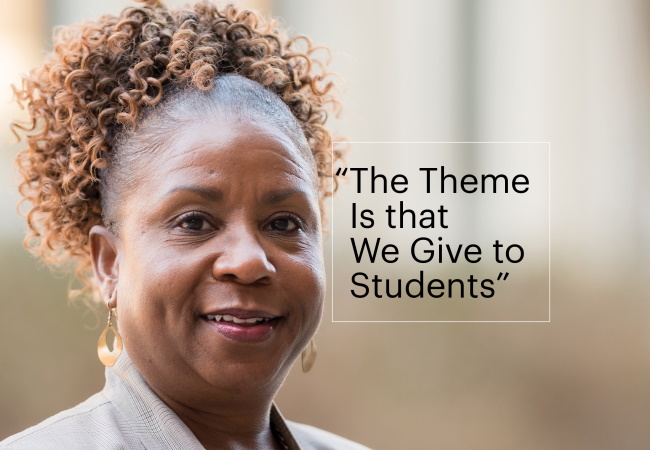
x=243 y=326
x=237 y=320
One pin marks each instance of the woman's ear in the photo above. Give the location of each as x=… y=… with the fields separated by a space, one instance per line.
x=104 y=254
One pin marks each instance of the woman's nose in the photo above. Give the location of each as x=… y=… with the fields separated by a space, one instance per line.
x=243 y=260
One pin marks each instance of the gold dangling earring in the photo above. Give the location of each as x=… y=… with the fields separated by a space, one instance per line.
x=308 y=356
x=106 y=356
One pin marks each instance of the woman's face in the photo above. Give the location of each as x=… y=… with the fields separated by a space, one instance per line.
x=220 y=277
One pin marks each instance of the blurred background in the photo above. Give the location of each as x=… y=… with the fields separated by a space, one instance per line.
x=574 y=73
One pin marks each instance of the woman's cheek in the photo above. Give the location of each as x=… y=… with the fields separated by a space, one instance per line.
x=314 y=281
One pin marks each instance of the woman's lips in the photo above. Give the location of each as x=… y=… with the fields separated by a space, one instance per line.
x=242 y=325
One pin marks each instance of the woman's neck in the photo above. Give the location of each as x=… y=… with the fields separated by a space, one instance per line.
x=237 y=426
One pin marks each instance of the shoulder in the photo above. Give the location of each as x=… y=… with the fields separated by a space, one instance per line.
x=314 y=438
x=78 y=427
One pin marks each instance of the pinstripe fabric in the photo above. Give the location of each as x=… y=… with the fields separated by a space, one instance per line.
x=127 y=414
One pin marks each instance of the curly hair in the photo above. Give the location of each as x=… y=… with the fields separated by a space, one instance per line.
x=104 y=75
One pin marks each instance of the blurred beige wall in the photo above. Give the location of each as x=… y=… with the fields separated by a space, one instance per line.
x=574 y=73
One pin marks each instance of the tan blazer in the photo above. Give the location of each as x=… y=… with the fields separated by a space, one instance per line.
x=127 y=414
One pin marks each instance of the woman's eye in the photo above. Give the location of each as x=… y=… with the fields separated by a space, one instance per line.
x=194 y=222
x=284 y=224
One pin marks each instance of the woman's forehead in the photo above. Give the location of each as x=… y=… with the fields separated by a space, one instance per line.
x=217 y=148
x=245 y=136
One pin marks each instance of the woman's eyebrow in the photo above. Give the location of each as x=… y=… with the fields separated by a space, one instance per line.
x=211 y=194
x=277 y=196
x=216 y=195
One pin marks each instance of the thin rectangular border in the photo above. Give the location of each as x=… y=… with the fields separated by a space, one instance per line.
x=548 y=143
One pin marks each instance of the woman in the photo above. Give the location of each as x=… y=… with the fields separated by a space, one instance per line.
x=180 y=159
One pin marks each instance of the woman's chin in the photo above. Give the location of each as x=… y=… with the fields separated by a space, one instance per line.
x=244 y=358
x=256 y=380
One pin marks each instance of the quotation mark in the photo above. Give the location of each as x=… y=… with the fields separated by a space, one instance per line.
x=338 y=172
x=504 y=277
